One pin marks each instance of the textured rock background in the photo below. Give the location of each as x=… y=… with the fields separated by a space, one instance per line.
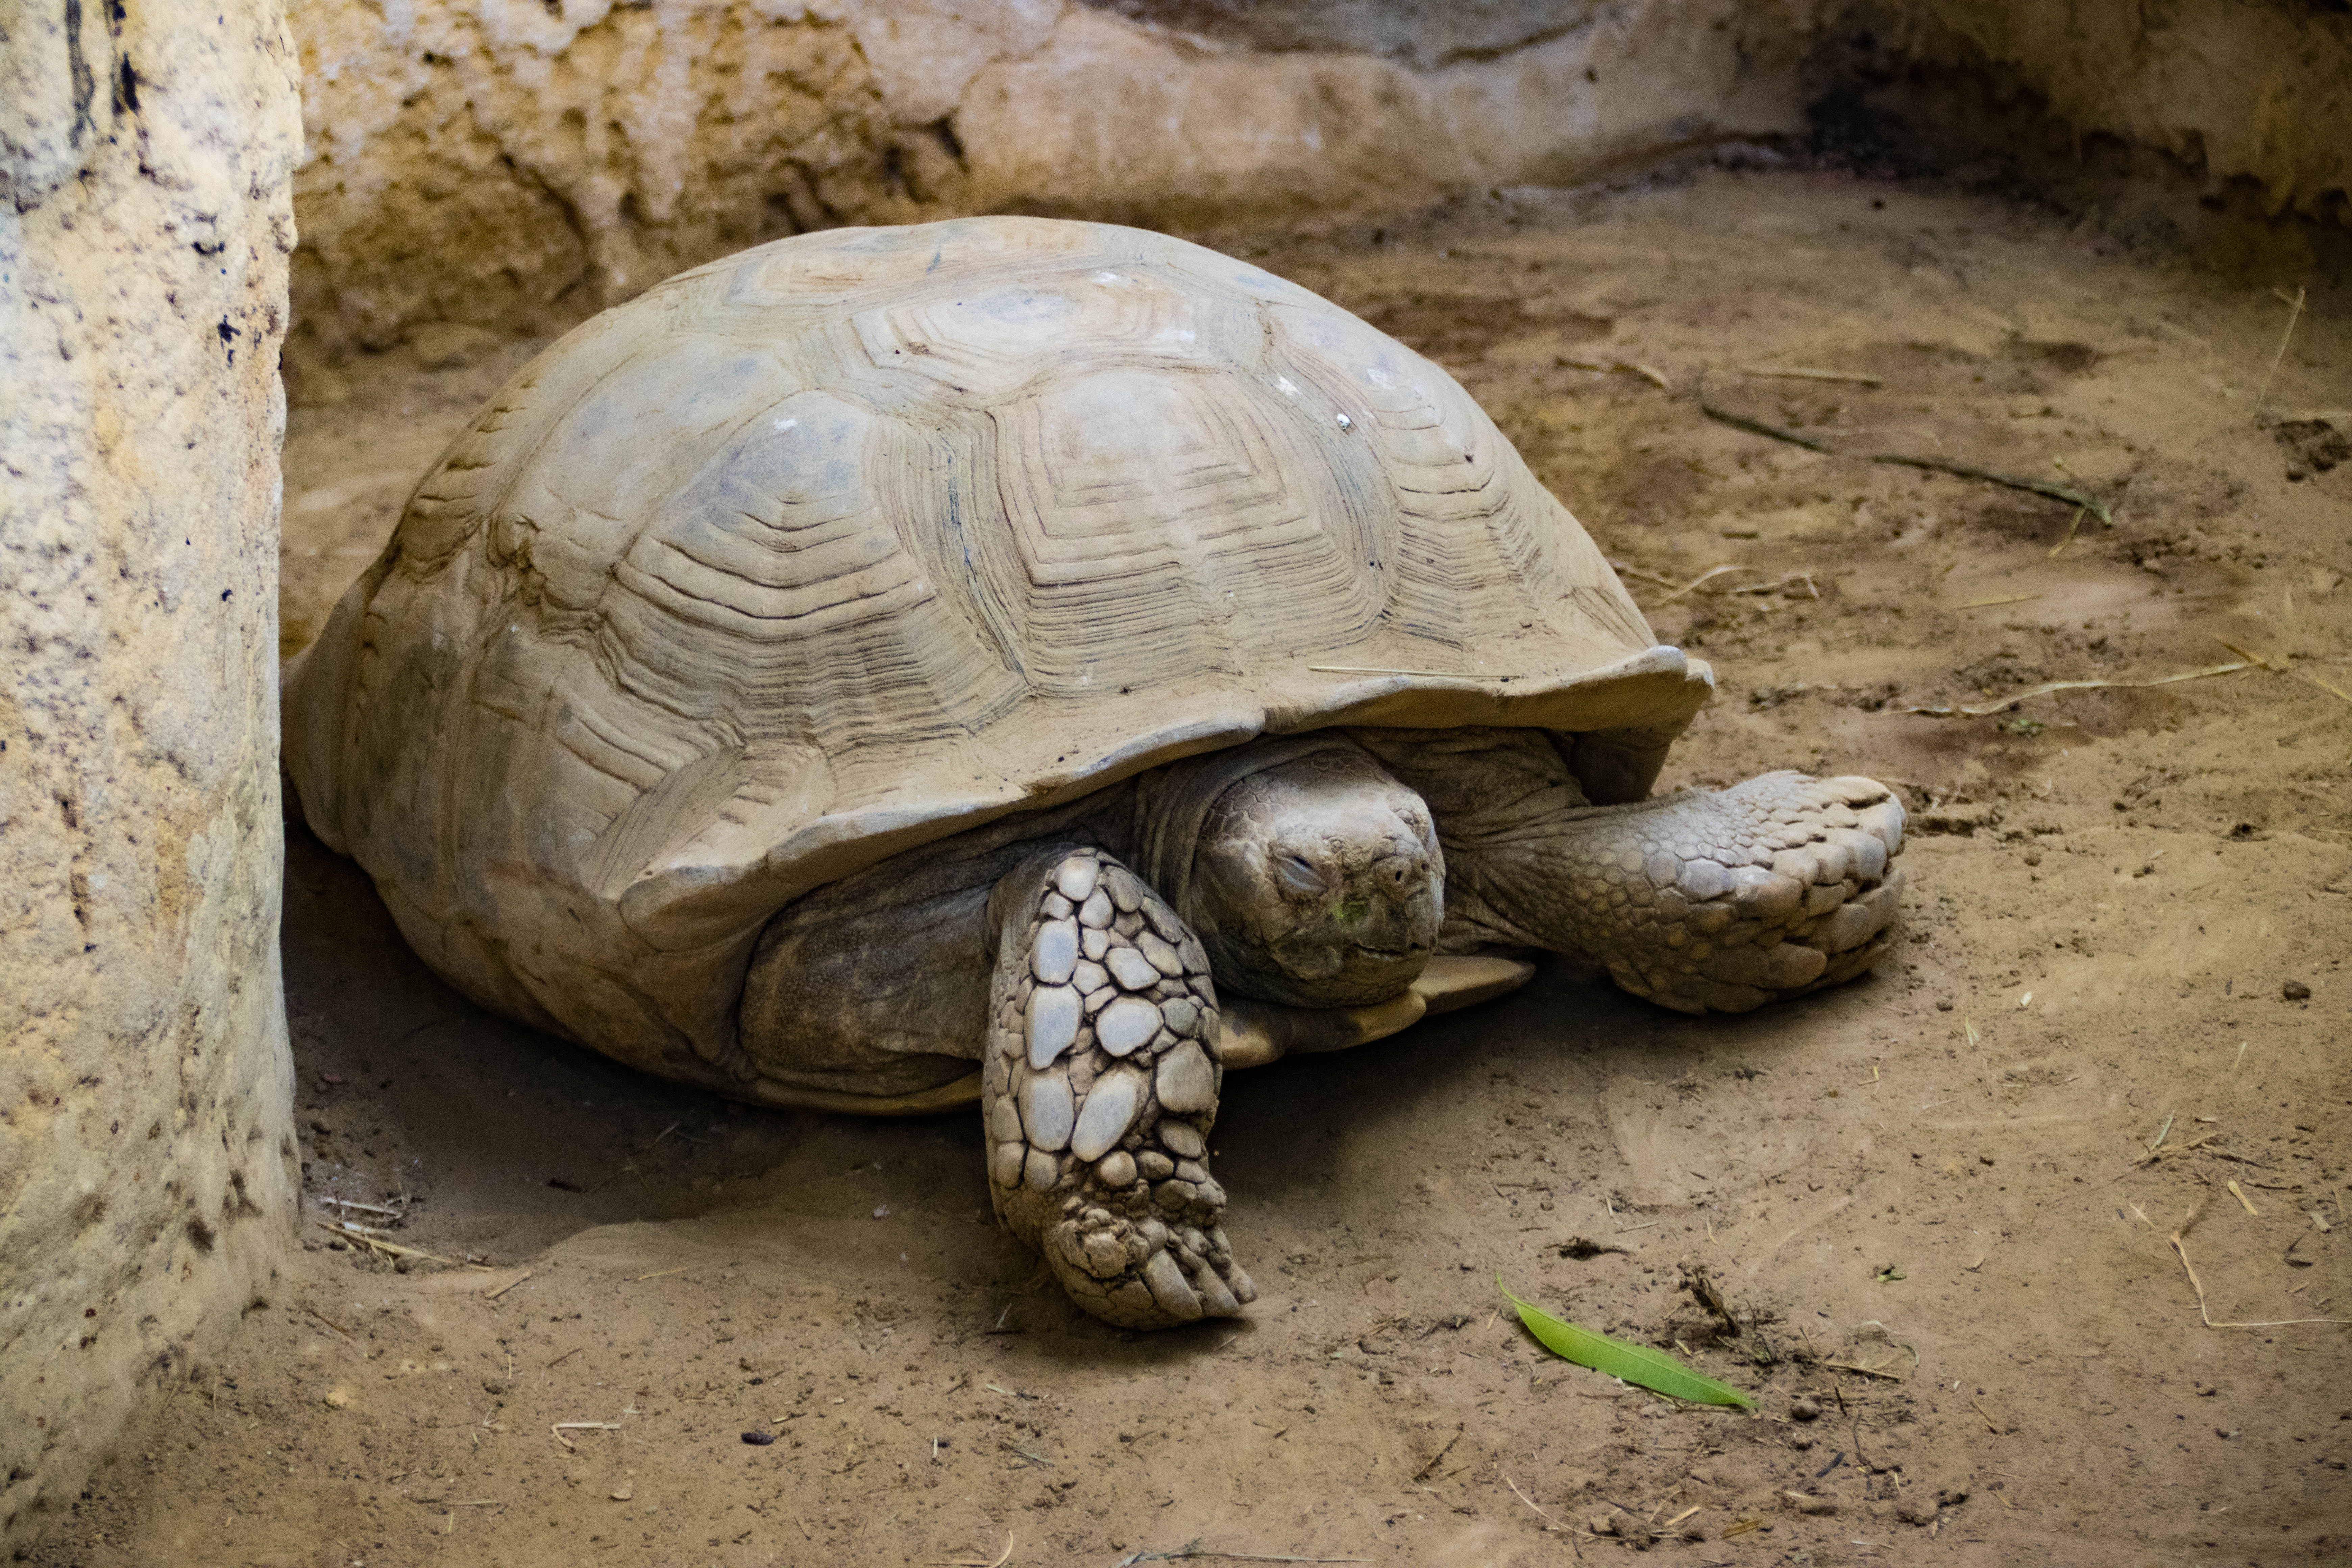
x=147 y=1170
x=2253 y=89
x=512 y=165
x=517 y=164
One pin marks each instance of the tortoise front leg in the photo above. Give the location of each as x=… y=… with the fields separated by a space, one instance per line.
x=1705 y=900
x=1711 y=900
x=1100 y=1086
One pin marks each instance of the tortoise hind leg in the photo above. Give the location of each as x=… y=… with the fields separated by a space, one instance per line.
x=1100 y=1087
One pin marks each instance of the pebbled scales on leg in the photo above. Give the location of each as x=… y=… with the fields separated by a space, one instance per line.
x=1723 y=902
x=1098 y=1091
x=1703 y=900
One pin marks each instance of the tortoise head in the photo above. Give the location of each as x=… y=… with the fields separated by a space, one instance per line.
x=1319 y=883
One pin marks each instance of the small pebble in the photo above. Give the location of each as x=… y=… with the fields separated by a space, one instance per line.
x=759 y=1439
x=1805 y=1407
x=2296 y=991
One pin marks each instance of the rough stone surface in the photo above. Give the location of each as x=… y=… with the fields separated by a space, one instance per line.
x=1413 y=31
x=147 y=1162
x=519 y=166
x=2254 y=88
x=508 y=167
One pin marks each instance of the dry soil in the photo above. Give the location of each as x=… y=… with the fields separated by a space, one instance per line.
x=1937 y=1202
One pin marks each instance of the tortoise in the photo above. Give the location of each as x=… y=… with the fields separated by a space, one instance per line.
x=1039 y=663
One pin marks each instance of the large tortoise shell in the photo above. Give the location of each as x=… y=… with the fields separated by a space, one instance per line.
x=856 y=540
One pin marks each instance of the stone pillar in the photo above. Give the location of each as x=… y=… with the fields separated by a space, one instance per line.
x=148 y=1175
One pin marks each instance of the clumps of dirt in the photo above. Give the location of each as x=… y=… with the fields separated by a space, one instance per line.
x=2313 y=446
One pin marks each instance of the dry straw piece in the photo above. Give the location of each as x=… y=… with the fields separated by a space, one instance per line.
x=1804 y=373
x=350 y=1231
x=2294 y=314
x=1001 y=1558
x=1986 y=710
x=2181 y=1252
x=1194 y=1548
x=2092 y=504
x=1623 y=367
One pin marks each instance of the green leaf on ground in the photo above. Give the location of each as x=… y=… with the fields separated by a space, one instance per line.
x=1640 y=1364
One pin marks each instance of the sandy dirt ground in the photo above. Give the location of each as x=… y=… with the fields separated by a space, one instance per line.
x=1928 y=1198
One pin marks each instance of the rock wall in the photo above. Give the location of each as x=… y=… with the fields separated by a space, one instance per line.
x=2253 y=90
x=147 y=1165
x=516 y=165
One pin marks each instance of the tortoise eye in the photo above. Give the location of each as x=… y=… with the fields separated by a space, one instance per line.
x=1298 y=875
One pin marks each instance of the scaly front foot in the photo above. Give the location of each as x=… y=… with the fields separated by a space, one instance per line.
x=1724 y=901
x=1701 y=901
x=1100 y=1086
